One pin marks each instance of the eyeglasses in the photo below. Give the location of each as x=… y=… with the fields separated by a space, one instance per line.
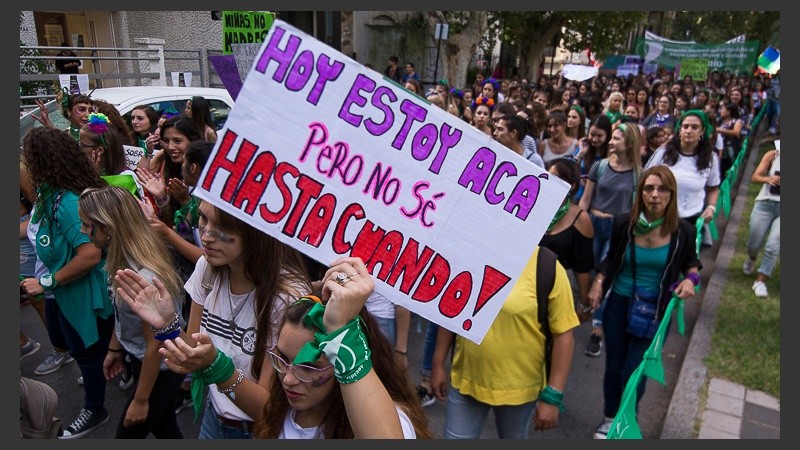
x=218 y=235
x=649 y=188
x=302 y=372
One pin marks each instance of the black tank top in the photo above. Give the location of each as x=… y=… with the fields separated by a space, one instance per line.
x=573 y=249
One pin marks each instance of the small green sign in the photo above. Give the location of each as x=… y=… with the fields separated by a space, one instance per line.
x=244 y=27
x=694 y=67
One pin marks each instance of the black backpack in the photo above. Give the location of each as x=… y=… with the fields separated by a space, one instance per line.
x=545 y=278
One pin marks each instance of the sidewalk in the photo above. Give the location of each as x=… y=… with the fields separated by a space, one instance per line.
x=735 y=412
x=730 y=411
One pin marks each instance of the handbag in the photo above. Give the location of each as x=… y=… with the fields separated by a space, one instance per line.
x=642 y=321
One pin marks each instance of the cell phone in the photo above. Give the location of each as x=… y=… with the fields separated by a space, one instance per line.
x=775 y=190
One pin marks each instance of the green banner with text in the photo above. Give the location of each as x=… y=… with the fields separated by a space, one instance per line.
x=244 y=27
x=736 y=58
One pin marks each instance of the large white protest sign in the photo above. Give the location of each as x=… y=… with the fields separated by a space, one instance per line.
x=577 y=72
x=334 y=160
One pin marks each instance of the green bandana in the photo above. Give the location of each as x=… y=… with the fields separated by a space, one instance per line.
x=559 y=214
x=644 y=227
x=345 y=348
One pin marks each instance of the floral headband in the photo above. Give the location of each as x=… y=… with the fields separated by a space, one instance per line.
x=483 y=101
x=457 y=92
x=169 y=113
x=495 y=84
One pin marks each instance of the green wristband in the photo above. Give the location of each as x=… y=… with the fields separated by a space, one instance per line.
x=48 y=282
x=218 y=371
x=552 y=396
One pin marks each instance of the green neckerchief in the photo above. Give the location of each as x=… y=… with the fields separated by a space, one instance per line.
x=44 y=194
x=562 y=210
x=187 y=213
x=644 y=227
x=75 y=133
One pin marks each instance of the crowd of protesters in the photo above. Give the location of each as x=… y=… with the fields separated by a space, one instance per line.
x=604 y=135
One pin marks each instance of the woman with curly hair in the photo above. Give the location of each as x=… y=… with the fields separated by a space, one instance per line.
x=80 y=317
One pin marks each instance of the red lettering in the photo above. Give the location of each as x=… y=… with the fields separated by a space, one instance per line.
x=367 y=240
x=433 y=281
x=255 y=183
x=493 y=281
x=235 y=168
x=456 y=295
x=286 y=193
x=385 y=254
x=409 y=265
x=309 y=188
x=338 y=243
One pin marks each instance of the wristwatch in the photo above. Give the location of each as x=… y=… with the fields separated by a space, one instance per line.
x=47 y=281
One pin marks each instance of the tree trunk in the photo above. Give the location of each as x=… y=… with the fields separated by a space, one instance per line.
x=536 y=43
x=460 y=47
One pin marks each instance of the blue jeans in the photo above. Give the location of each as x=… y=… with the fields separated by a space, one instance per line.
x=464 y=418
x=602 y=238
x=213 y=428
x=388 y=328
x=89 y=360
x=428 y=349
x=624 y=353
x=765 y=218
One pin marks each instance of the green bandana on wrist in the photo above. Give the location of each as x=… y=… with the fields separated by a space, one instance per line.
x=218 y=371
x=643 y=226
x=345 y=348
x=562 y=210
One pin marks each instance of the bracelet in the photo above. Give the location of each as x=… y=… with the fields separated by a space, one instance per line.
x=598 y=280
x=160 y=203
x=170 y=331
x=712 y=208
x=402 y=353
x=229 y=390
x=48 y=282
x=552 y=396
x=693 y=277
x=115 y=350
x=585 y=309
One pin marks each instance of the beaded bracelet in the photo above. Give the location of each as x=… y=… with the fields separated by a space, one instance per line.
x=694 y=277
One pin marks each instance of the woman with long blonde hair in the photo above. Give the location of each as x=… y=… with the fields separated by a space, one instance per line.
x=115 y=223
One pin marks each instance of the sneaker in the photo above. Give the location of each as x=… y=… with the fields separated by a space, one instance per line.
x=773 y=130
x=425 y=396
x=595 y=345
x=80 y=380
x=760 y=289
x=601 y=432
x=53 y=362
x=185 y=401
x=86 y=422
x=125 y=379
x=749 y=266
x=29 y=348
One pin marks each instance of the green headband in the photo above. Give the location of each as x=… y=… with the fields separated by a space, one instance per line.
x=703 y=118
x=621 y=127
x=579 y=109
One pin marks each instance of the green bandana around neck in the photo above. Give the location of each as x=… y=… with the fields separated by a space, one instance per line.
x=643 y=226
x=562 y=210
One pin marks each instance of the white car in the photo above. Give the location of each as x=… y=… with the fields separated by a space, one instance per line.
x=126 y=98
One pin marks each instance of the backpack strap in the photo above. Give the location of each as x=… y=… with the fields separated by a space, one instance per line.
x=545 y=278
x=207 y=282
x=602 y=168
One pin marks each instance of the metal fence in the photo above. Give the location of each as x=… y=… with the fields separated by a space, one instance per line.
x=147 y=64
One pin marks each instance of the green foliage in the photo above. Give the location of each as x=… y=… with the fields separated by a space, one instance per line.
x=715 y=27
x=746 y=343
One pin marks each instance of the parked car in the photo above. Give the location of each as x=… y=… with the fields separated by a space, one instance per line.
x=126 y=98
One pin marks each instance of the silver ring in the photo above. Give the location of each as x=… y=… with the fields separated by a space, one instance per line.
x=341 y=278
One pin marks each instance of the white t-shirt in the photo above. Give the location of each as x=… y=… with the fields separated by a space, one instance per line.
x=291 y=430
x=220 y=310
x=691 y=182
x=380 y=306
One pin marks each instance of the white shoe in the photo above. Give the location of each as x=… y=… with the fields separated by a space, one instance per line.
x=760 y=289
x=749 y=266
x=601 y=432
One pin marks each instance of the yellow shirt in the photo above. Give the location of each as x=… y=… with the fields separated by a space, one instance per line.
x=508 y=367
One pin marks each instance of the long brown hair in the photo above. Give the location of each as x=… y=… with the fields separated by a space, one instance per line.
x=336 y=424
x=277 y=271
x=671 y=218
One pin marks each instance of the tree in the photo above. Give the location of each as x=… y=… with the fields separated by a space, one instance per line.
x=530 y=32
x=465 y=31
x=715 y=27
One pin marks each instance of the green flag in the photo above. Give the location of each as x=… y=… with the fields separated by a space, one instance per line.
x=625 y=425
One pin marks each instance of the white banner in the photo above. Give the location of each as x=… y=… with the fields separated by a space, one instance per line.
x=74 y=83
x=181 y=79
x=577 y=72
x=333 y=160
x=648 y=36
